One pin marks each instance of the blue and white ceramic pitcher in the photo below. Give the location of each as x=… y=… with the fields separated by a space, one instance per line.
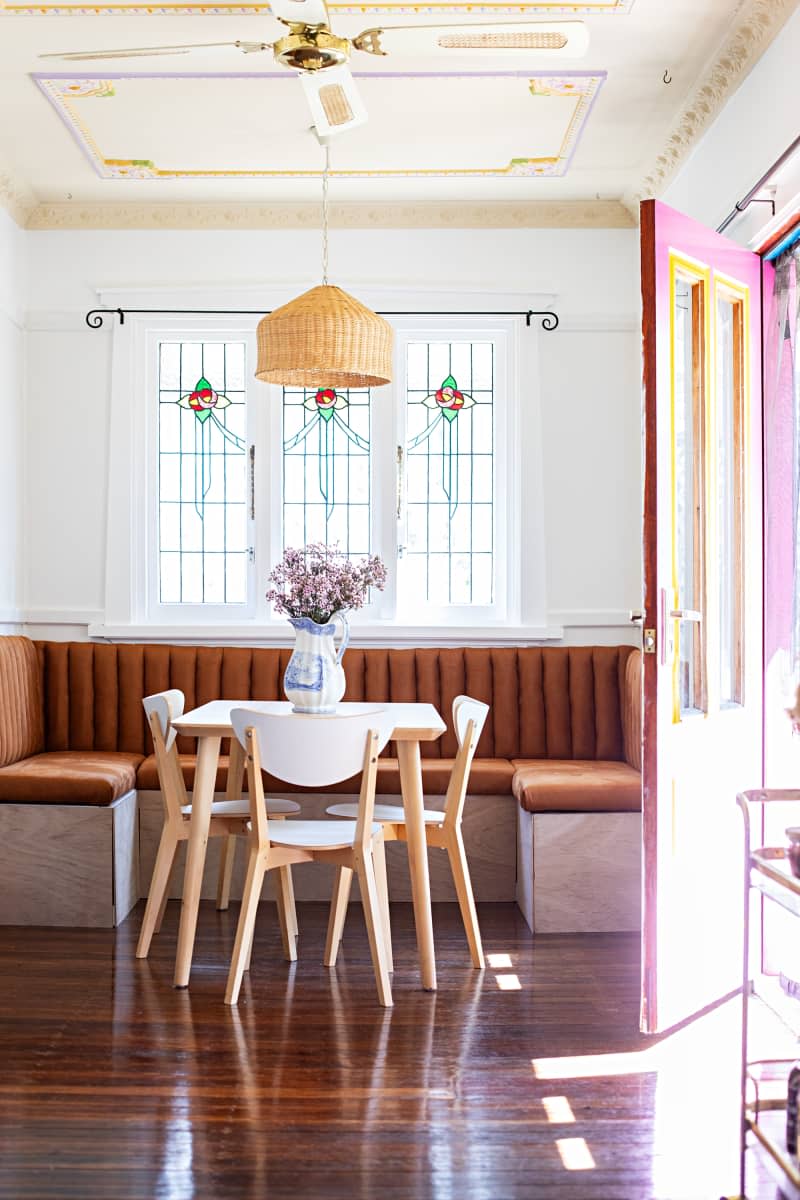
x=314 y=678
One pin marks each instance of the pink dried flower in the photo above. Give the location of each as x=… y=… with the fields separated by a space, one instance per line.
x=320 y=580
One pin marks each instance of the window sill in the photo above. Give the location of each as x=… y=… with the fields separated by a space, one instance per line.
x=374 y=634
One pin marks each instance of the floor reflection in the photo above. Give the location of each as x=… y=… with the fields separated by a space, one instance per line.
x=117 y=1085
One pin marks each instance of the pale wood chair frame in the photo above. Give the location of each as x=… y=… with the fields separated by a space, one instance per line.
x=230 y=818
x=445 y=834
x=361 y=856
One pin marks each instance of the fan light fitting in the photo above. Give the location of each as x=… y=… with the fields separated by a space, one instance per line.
x=324 y=338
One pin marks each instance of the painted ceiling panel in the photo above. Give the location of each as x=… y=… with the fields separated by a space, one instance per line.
x=257 y=126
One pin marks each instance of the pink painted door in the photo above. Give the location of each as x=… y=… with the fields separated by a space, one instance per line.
x=701 y=297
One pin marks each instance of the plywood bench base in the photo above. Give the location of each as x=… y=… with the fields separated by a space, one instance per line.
x=579 y=872
x=71 y=865
x=489 y=828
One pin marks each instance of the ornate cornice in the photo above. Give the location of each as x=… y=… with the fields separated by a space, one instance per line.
x=215 y=8
x=569 y=214
x=757 y=23
x=16 y=198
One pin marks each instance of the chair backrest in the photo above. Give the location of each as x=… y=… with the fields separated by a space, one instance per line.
x=312 y=751
x=161 y=710
x=469 y=717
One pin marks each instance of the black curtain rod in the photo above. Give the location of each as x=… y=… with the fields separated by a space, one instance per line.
x=95 y=318
x=742 y=204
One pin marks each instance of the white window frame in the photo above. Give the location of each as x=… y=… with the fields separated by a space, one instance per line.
x=505 y=499
x=518 y=614
x=155 y=610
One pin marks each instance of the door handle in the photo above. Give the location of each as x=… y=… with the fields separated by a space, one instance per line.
x=686 y=614
x=636 y=616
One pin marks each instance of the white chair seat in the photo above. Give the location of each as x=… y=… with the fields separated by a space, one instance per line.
x=391 y=813
x=316 y=835
x=241 y=808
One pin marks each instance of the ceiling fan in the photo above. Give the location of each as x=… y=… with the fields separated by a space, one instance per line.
x=320 y=56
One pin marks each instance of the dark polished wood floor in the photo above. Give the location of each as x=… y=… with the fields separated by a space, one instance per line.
x=529 y=1080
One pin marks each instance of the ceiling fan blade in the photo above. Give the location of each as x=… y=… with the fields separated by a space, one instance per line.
x=300 y=12
x=551 y=39
x=145 y=51
x=333 y=98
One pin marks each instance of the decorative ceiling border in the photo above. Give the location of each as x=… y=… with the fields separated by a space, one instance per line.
x=393 y=7
x=16 y=199
x=64 y=91
x=536 y=214
x=757 y=23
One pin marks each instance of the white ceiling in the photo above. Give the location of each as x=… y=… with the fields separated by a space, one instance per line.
x=227 y=128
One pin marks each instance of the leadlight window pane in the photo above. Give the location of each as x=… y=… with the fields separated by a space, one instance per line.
x=326 y=468
x=450 y=472
x=202 y=473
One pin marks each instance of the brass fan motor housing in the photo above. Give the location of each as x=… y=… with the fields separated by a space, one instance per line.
x=311 y=48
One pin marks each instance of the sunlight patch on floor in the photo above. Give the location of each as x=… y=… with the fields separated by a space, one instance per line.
x=508 y=983
x=558 y=1110
x=575 y=1154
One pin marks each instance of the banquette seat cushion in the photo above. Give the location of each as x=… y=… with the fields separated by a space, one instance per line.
x=70 y=777
x=577 y=786
x=489 y=777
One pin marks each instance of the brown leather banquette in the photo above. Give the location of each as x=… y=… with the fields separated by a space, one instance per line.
x=563 y=731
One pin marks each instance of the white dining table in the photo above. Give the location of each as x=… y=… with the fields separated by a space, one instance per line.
x=210 y=723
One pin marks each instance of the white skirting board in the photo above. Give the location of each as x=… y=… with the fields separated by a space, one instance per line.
x=64 y=864
x=489 y=828
x=579 y=872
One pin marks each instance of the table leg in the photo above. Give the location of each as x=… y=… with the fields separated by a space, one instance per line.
x=202 y=799
x=411 y=784
x=228 y=852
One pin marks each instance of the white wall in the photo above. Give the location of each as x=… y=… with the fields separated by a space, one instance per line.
x=754 y=128
x=12 y=306
x=589 y=376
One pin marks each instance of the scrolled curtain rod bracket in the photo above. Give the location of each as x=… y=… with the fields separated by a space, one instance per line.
x=96 y=317
x=549 y=319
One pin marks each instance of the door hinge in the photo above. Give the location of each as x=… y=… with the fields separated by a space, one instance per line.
x=251 y=554
x=649 y=641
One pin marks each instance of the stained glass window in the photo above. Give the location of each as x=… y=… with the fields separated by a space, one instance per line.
x=449 y=456
x=202 y=473
x=326 y=468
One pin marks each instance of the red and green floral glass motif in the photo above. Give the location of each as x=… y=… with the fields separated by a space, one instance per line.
x=448 y=399
x=325 y=403
x=327 y=406
x=447 y=402
x=205 y=402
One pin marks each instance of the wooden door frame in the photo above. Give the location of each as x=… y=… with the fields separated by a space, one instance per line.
x=653 y=618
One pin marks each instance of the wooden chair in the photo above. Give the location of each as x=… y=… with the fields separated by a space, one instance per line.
x=442 y=829
x=228 y=817
x=312 y=751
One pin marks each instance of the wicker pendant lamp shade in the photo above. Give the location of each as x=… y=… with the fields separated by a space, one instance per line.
x=324 y=338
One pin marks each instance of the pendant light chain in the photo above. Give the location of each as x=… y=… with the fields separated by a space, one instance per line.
x=325 y=215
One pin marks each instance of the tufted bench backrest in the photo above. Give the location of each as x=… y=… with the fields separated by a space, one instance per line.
x=545 y=702
x=21 y=716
